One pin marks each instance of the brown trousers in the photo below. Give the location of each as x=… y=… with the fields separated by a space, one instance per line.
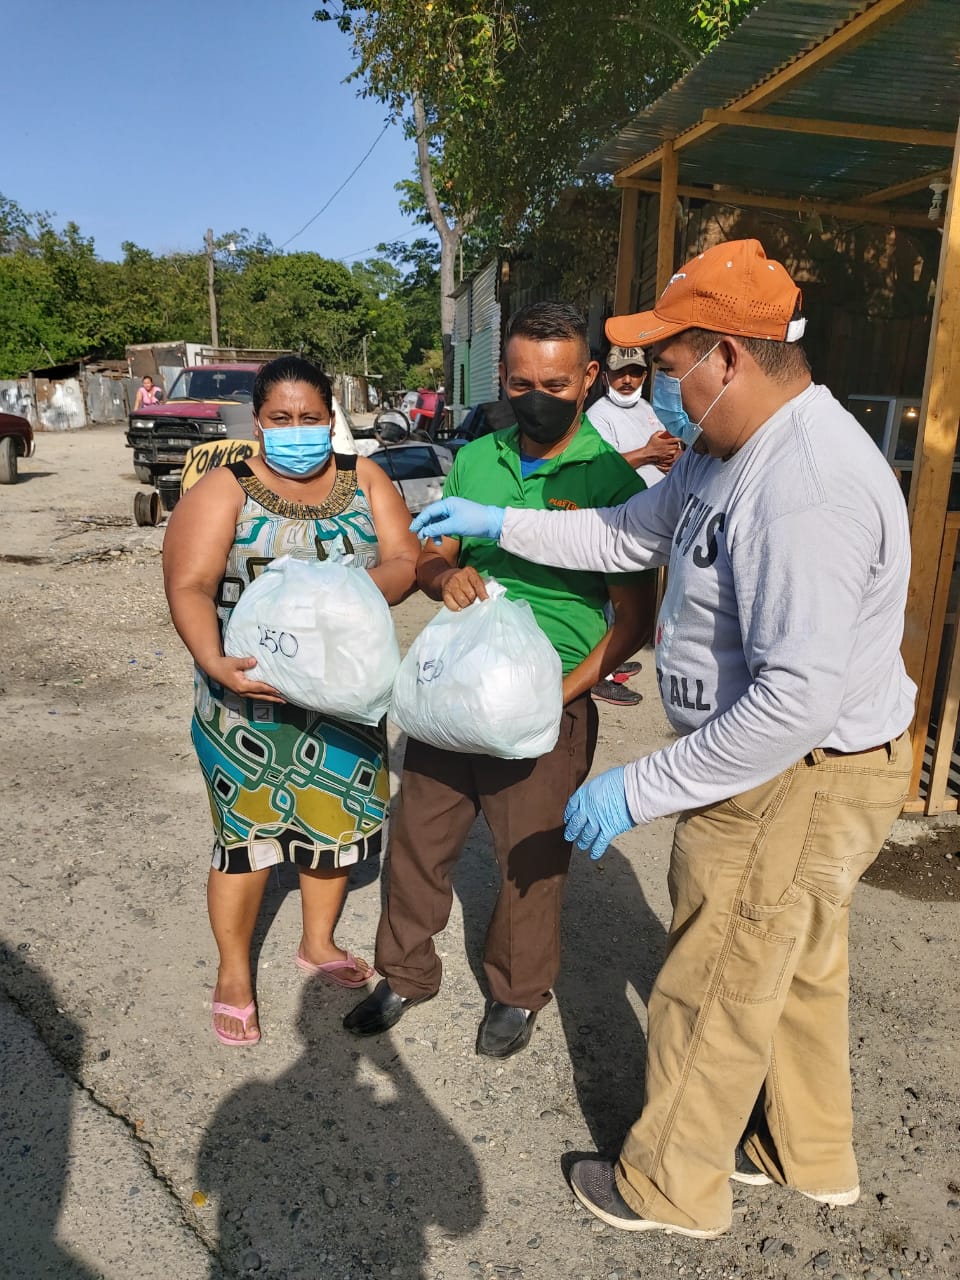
x=441 y=793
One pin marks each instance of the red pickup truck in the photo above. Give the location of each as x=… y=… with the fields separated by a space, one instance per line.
x=161 y=435
x=16 y=442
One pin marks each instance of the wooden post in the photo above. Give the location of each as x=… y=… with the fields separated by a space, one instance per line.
x=934 y=644
x=666 y=251
x=667 y=221
x=623 y=299
x=936 y=440
x=946 y=731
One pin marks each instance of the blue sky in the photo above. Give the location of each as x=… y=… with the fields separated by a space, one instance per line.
x=151 y=122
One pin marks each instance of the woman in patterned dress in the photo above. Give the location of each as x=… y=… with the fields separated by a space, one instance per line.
x=285 y=784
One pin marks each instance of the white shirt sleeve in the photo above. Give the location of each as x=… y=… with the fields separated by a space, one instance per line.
x=636 y=535
x=799 y=626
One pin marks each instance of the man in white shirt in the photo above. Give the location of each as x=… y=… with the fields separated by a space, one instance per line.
x=626 y=420
x=778 y=656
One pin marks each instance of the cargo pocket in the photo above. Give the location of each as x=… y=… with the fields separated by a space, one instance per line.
x=843 y=840
x=756 y=964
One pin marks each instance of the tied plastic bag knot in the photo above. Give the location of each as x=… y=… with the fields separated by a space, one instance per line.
x=483 y=680
x=322 y=635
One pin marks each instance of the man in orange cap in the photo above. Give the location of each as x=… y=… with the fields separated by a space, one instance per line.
x=778 y=656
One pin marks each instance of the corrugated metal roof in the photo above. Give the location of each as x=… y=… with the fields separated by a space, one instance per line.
x=906 y=73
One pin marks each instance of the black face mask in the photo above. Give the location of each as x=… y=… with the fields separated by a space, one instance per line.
x=543 y=417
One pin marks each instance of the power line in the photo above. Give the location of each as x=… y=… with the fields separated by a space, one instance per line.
x=360 y=162
x=345 y=257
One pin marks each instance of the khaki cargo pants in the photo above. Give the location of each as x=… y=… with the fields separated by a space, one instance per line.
x=752 y=996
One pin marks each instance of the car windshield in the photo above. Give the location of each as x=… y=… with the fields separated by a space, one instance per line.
x=408 y=463
x=214 y=384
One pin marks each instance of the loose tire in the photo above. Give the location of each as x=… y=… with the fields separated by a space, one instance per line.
x=144 y=474
x=147 y=508
x=8 y=460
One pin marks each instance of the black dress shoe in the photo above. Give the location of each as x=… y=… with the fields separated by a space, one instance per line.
x=380 y=1010
x=505 y=1030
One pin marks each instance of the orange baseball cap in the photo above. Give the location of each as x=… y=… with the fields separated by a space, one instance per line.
x=732 y=288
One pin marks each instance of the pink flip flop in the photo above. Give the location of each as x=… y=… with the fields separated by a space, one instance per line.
x=330 y=971
x=243 y=1015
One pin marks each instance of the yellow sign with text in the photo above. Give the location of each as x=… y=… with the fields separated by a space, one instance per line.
x=214 y=453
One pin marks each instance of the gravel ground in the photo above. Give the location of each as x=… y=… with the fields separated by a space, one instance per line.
x=319 y=1155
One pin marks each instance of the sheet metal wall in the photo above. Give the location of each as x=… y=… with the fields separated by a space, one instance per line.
x=67 y=404
x=476 y=341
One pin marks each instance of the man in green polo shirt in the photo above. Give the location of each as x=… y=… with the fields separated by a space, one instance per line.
x=553 y=459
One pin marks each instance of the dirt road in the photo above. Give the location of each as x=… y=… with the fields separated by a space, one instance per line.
x=317 y=1155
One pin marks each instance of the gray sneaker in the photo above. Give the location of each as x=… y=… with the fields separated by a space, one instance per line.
x=594 y=1184
x=746 y=1171
x=618 y=694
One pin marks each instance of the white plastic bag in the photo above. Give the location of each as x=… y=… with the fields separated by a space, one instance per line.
x=322 y=635
x=485 y=679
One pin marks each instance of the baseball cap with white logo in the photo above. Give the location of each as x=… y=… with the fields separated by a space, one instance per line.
x=732 y=288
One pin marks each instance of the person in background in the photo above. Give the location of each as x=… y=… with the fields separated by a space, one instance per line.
x=778 y=655
x=147 y=394
x=551 y=460
x=627 y=422
x=284 y=784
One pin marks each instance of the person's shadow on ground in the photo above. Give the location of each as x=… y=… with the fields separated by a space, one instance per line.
x=339 y=1165
x=613 y=943
x=36 y=1115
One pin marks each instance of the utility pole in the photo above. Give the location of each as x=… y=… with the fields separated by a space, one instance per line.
x=214 y=331
x=371 y=334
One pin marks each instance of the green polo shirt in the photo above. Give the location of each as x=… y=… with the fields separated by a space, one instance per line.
x=567 y=603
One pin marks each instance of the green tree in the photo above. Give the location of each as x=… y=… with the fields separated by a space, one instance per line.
x=299 y=301
x=417 y=293
x=502 y=98
x=58 y=301
x=156 y=299
x=438 y=60
x=52 y=300
x=386 y=323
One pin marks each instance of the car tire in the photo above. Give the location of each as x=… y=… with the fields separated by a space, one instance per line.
x=8 y=460
x=143 y=474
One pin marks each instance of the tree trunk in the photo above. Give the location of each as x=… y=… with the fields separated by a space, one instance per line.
x=450 y=236
x=448 y=258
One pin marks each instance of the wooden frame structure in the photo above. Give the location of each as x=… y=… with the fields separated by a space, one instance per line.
x=934 y=534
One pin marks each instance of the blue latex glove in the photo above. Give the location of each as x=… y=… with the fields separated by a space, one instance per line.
x=597 y=813
x=458 y=518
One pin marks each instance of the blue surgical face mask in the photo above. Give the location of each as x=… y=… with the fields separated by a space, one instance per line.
x=668 y=403
x=296 y=452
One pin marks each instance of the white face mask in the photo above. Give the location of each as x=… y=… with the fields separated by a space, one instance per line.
x=625 y=401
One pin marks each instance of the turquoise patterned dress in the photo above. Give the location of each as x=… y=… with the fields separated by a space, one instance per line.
x=286 y=784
